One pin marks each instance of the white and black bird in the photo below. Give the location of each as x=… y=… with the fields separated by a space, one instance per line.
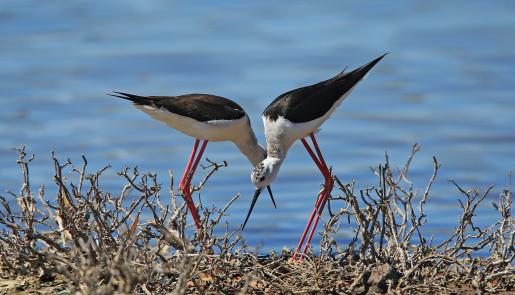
x=206 y=118
x=298 y=114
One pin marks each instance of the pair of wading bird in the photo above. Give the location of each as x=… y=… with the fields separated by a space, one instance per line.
x=296 y=114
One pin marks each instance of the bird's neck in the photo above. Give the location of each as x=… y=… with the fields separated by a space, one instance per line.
x=249 y=146
x=277 y=147
x=275 y=150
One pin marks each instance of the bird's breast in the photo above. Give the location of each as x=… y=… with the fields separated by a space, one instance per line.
x=282 y=133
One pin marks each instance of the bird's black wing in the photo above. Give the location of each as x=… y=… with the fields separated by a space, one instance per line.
x=201 y=107
x=311 y=102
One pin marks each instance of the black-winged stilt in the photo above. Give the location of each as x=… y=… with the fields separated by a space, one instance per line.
x=298 y=114
x=206 y=118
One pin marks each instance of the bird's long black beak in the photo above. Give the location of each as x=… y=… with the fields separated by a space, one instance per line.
x=271 y=195
x=256 y=195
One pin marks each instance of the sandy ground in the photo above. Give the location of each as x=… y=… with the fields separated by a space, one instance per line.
x=32 y=285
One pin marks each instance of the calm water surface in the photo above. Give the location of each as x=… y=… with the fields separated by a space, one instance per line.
x=449 y=85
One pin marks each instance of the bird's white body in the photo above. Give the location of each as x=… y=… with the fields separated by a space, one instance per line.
x=238 y=131
x=280 y=134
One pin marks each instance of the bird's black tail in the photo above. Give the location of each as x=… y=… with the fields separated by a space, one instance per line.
x=143 y=100
x=362 y=71
x=355 y=75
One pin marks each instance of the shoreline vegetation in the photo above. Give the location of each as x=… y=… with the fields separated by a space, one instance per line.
x=85 y=240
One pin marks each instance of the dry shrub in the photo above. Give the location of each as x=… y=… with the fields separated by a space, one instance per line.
x=135 y=241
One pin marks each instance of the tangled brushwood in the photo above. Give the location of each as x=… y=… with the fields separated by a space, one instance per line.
x=84 y=240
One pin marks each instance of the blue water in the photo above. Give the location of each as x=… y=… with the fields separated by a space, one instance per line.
x=448 y=84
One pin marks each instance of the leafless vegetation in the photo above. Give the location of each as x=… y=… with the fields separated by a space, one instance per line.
x=86 y=240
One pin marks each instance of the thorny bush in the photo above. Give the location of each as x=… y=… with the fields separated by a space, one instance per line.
x=135 y=241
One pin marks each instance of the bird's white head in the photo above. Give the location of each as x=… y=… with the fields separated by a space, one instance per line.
x=263 y=175
x=265 y=172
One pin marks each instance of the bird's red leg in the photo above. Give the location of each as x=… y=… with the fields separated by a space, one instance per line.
x=319 y=153
x=320 y=198
x=188 y=166
x=187 y=190
x=328 y=187
x=196 y=162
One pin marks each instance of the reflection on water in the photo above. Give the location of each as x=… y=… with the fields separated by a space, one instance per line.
x=447 y=85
